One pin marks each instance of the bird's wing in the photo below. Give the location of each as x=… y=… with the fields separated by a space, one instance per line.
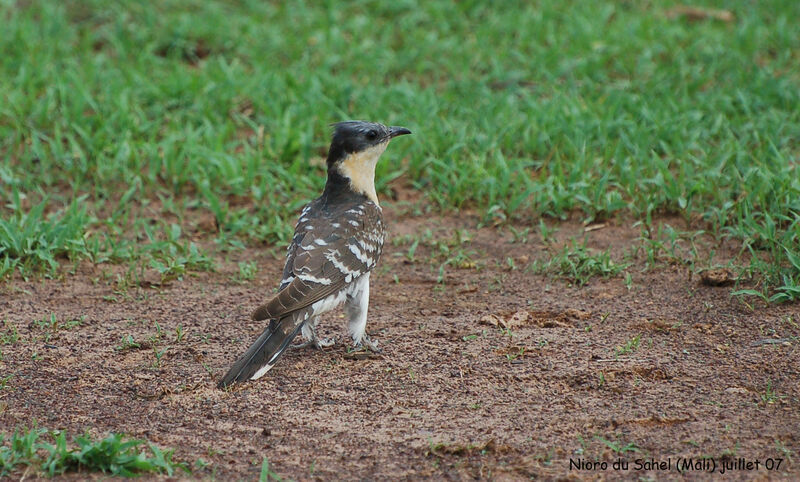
x=333 y=251
x=291 y=250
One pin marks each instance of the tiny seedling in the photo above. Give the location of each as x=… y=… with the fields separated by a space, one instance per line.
x=629 y=347
x=9 y=335
x=4 y=381
x=179 y=333
x=619 y=447
x=126 y=343
x=769 y=396
x=546 y=233
x=514 y=356
x=158 y=354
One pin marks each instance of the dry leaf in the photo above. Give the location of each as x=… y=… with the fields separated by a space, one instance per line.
x=700 y=13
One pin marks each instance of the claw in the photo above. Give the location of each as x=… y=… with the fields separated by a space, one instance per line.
x=298 y=346
x=369 y=344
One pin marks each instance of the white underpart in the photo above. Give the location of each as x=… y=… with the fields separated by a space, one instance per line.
x=359 y=168
x=323 y=306
x=356 y=308
x=356 y=298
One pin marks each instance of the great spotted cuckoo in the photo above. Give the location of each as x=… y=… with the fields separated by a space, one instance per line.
x=336 y=244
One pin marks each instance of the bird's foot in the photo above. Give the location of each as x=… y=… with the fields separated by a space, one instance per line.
x=318 y=343
x=369 y=344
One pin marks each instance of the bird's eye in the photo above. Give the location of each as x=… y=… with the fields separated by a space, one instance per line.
x=372 y=134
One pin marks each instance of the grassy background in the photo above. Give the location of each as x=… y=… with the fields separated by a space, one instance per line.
x=119 y=118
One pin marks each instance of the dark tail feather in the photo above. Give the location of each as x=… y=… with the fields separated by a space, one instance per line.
x=265 y=351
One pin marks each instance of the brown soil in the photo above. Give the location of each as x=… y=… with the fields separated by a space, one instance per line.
x=496 y=373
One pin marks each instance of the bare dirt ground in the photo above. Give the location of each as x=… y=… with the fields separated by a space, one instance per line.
x=495 y=374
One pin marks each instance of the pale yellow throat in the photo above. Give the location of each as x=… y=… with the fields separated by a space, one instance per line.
x=359 y=168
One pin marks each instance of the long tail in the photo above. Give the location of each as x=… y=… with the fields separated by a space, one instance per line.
x=262 y=355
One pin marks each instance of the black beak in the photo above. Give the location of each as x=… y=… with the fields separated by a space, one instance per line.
x=395 y=131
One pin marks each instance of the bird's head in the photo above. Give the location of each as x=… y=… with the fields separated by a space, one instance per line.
x=355 y=150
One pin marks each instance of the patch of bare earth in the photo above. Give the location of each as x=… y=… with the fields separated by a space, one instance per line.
x=494 y=373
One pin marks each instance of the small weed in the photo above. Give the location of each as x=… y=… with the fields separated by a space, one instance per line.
x=576 y=263
x=728 y=453
x=784 y=450
x=247 y=271
x=126 y=343
x=510 y=265
x=33 y=241
x=628 y=281
x=179 y=334
x=4 y=381
x=514 y=356
x=172 y=259
x=45 y=323
x=10 y=335
x=158 y=355
x=619 y=447
x=155 y=338
x=546 y=233
x=665 y=244
x=506 y=332
x=629 y=347
x=769 y=396
x=267 y=474
x=584 y=444
x=114 y=455
x=519 y=236
x=53 y=324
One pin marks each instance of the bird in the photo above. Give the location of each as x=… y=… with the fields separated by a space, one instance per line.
x=337 y=243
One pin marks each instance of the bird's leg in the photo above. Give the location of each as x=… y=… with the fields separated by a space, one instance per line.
x=356 y=307
x=310 y=334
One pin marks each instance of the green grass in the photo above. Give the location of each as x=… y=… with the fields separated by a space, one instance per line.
x=114 y=455
x=266 y=473
x=119 y=116
x=578 y=264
